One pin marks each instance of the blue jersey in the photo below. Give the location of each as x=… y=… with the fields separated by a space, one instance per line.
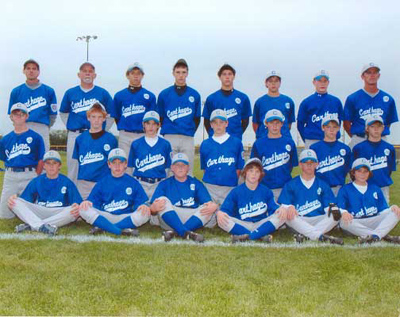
x=311 y=112
x=21 y=150
x=249 y=205
x=309 y=202
x=76 y=102
x=188 y=194
x=265 y=103
x=130 y=108
x=117 y=195
x=359 y=106
x=221 y=161
x=237 y=108
x=41 y=102
x=92 y=155
x=150 y=161
x=334 y=161
x=178 y=112
x=382 y=158
x=58 y=192
x=366 y=205
x=278 y=157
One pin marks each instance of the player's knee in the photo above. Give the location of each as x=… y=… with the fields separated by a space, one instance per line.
x=89 y=215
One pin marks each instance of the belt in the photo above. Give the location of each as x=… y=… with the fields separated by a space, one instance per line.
x=149 y=179
x=78 y=130
x=21 y=169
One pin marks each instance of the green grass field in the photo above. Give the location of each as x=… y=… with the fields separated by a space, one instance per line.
x=76 y=274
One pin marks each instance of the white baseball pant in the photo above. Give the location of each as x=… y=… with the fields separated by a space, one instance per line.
x=312 y=227
x=90 y=215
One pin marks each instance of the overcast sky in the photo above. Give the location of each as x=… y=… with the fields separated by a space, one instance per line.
x=297 y=38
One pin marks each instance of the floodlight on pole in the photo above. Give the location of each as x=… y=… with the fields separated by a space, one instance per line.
x=87 y=39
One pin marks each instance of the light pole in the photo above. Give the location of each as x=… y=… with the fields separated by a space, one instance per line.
x=87 y=38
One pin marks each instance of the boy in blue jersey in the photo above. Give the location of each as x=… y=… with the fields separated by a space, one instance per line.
x=307 y=199
x=221 y=158
x=179 y=107
x=380 y=154
x=273 y=100
x=50 y=200
x=130 y=106
x=91 y=150
x=40 y=100
x=334 y=157
x=117 y=203
x=74 y=105
x=21 y=151
x=365 y=212
x=316 y=107
x=367 y=102
x=277 y=153
x=235 y=104
x=250 y=212
x=150 y=155
x=181 y=204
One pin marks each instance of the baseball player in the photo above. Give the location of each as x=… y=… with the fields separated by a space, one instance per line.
x=250 y=212
x=273 y=99
x=380 y=154
x=334 y=157
x=130 y=106
x=277 y=153
x=40 y=100
x=316 y=107
x=91 y=150
x=307 y=200
x=22 y=151
x=179 y=107
x=50 y=200
x=366 y=102
x=181 y=203
x=117 y=203
x=74 y=105
x=235 y=104
x=150 y=155
x=365 y=212
x=221 y=158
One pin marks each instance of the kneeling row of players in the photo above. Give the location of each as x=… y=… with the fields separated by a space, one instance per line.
x=181 y=204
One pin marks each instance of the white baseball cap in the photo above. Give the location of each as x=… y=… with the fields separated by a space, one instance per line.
x=368 y=66
x=320 y=74
x=19 y=106
x=133 y=66
x=361 y=162
x=274 y=114
x=253 y=160
x=151 y=115
x=329 y=118
x=374 y=118
x=52 y=155
x=308 y=155
x=273 y=73
x=180 y=157
x=219 y=114
x=98 y=104
x=117 y=153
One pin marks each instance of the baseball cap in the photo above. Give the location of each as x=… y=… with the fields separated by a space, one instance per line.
x=87 y=64
x=274 y=114
x=180 y=157
x=181 y=62
x=361 y=162
x=320 y=74
x=273 y=73
x=31 y=61
x=98 y=105
x=368 y=66
x=308 y=155
x=52 y=155
x=117 y=153
x=19 y=106
x=253 y=160
x=219 y=114
x=374 y=118
x=133 y=66
x=151 y=115
x=328 y=119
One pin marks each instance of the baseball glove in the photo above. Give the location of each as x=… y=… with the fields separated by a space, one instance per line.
x=334 y=210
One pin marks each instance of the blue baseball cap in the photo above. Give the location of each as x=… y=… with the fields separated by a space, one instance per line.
x=52 y=155
x=308 y=155
x=219 y=114
x=180 y=157
x=320 y=74
x=117 y=154
x=151 y=115
x=274 y=114
x=19 y=106
x=361 y=162
x=372 y=119
x=328 y=119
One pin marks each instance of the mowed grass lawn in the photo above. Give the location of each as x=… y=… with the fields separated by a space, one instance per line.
x=141 y=277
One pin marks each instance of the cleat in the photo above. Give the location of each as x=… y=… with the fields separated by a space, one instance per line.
x=22 y=227
x=240 y=238
x=196 y=237
x=392 y=239
x=48 y=229
x=299 y=238
x=130 y=232
x=368 y=239
x=267 y=239
x=168 y=235
x=331 y=239
x=95 y=231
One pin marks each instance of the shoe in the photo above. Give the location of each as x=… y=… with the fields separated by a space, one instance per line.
x=299 y=238
x=22 y=227
x=368 y=239
x=197 y=237
x=267 y=239
x=168 y=235
x=331 y=239
x=392 y=239
x=48 y=229
x=130 y=232
x=95 y=231
x=240 y=238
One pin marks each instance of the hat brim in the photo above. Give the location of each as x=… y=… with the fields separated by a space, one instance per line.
x=274 y=118
x=219 y=117
x=52 y=158
x=121 y=158
x=360 y=166
x=149 y=119
x=181 y=161
x=320 y=77
x=313 y=159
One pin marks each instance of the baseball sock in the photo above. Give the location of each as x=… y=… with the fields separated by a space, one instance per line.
x=172 y=220
x=193 y=223
x=105 y=224
x=263 y=230
x=125 y=223
x=239 y=230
